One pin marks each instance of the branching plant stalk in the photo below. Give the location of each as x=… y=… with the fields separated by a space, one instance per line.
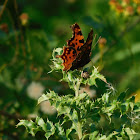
x=79 y=129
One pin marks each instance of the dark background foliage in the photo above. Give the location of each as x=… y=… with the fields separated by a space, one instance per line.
x=25 y=52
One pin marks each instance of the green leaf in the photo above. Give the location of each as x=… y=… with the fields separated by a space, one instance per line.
x=60 y=131
x=93 y=135
x=74 y=116
x=42 y=98
x=41 y=123
x=80 y=97
x=30 y=126
x=137 y=107
x=112 y=135
x=56 y=61
x=63 y=110
x=121 y=97
x=50 y=129
x=68 y=131
x=131 y=99
x=131 y=133
x=105 y=97
x=112 y=107
x=94 y=75
x=103 y=137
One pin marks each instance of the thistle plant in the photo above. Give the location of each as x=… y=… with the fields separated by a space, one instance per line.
x=80 y=117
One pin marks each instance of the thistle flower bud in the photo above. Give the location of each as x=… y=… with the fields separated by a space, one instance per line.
x=102 y=43
x=24 y=19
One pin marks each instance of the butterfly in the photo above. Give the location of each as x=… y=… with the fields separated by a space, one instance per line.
x=77 y=52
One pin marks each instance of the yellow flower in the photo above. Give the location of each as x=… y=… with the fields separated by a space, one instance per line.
x=137 y=95
x=136 y=1
x=113 y=3
x=125 y=2
x=119 y=9
x=129 y=11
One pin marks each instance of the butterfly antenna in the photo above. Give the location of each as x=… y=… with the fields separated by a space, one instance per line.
x=96 y=42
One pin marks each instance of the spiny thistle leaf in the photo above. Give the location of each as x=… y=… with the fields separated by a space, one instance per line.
x=122 y=96
x=60 y=131
x=41 y=123
x=50 y=129
x=86 y=118
x=30 y=126
x=42 y=98
x=95 y=75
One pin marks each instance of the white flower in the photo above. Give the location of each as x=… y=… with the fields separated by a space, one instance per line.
x=35 y=90
x=32 y=116
x=47 y=108
x=90 y=92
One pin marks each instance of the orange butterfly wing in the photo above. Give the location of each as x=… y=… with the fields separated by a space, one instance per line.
x=68 y=56
x=83 y=57
x=77 y=41
x=77 y=53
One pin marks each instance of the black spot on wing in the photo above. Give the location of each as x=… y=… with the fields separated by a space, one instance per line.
x=73 y=45
x=81 y=41
x=79 y=33
x=78 y=48
x=74 y=51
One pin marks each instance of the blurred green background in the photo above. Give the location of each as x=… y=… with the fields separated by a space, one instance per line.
x=31 y=29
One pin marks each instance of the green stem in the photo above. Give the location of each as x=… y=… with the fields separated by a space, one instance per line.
x=79 y=130
x=77 y=86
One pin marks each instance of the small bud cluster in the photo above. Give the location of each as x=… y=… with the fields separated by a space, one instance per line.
x=125 y=7
x=102 y=43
